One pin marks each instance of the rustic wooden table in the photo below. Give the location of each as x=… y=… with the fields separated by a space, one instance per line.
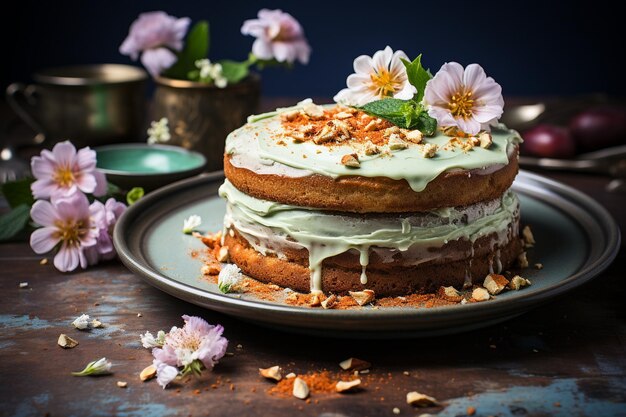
x=565 y=358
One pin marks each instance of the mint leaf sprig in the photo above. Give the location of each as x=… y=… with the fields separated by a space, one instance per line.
x=408 y=114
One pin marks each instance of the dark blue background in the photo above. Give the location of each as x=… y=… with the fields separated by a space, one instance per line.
x=530 y=48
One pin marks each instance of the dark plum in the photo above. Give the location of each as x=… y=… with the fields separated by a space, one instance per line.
x=548 y=141
x=599 y=128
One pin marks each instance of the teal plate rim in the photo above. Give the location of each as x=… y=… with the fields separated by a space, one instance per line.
x=602 y=234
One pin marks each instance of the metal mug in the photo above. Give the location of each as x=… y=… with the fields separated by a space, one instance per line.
x=201 y=115
x=88 y=104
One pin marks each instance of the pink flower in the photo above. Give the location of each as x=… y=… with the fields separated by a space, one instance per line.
x=465 y=98
x=104 y=216
x=155 y=34
x=278 y=36
x=376 y=77
x=68 y=222
x=63 y=172
x=197 y=344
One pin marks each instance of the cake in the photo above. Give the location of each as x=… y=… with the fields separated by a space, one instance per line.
x=340 y=198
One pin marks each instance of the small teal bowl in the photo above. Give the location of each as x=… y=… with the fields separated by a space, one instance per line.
x=131 y=165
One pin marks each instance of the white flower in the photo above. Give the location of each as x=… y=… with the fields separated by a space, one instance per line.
x=149 y=341
x=376 y=77
x=99 y=367
x=229 y=278
x=464 y=98
x=81 y=322
x=159 y=131
x=165 y=373
x=211 y=73
x=191 y=223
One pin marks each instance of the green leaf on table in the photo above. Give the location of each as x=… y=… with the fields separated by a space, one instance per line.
x=417 y=75
x=196 y=47
x=234 y=71
x=13 y=222
x=18 y=192
x=134 y=195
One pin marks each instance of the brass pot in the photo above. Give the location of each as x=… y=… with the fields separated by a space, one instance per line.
x=201 y=116
x=88 y=104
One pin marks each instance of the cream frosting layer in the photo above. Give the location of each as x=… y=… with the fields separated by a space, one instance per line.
x=270 y=227
x=255 y=146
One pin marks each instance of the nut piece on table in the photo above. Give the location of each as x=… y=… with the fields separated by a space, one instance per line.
x=362 y=297
x=148 y=372
x=67 y=342
x=343 y=386
x=122 y=384
x=518 y=282
x=329 y=302
x=354 y=363
x=300 y=389
x=420 y=400
x=527 y=235
x=495 y=283
x=480 y=294
x=351 y=160
x=273 y=372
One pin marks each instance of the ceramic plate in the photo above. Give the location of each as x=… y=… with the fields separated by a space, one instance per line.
x=576 y=240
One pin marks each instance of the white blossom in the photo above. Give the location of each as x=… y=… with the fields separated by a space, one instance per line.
x=159 y=131
x=210 y=72
x=81 y=322
x=191 y=223
x=149 y=341
x=99 y=367
x=230 y=278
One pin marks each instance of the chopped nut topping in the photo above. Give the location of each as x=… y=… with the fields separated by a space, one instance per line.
x=529 y=239
x=290 y=375
x=414 y=136
x=212 y=240
x=211 y=269
x=313 y=110
x=329 y=302
x=343 y=386
x=273 y=372
x=518 y=282
x=485 y=140
x=343 y=115
x=148 y=372
x=449 y=292
x=351 y=160
x=326 y=134
x=480 y=294
x=289 y=116
x=300 y=389
x=371 y=149
x=306 y=129
x=354 y=363
x=495 y=283
x=122 y=384
x=373 y=125
x=429 y=150
x=342 y=127
x=420 y=400
x=363 y=297
x=222 y=256
x=392 y=130
x=66 y=342
x=396 y=142
x=315 y=300
x=522 y=260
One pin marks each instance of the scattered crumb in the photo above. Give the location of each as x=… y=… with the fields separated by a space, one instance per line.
x=44 y=261
x=470 y=411
x=122 y=384
x=23 y=284
x=396 y=410
x=139 y=315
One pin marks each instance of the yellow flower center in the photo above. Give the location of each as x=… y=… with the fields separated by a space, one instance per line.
x=70 y=231
x=461 y=104
x=64 y=176
x=384 y=82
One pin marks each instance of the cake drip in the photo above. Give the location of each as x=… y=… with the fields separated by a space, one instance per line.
x=271 y=227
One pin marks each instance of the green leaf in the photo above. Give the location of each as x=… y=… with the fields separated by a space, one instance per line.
x=196 y=47
x=426 y=124
x=234 y=71
x=418 y=76
x=18 y=192
x=407 y=114
x=13 y=222
x=134 y=195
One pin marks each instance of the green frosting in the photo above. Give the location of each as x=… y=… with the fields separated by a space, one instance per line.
x=408 y=164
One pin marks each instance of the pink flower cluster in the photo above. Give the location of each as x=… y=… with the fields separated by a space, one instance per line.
x=197 y=345
x=81 y=231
